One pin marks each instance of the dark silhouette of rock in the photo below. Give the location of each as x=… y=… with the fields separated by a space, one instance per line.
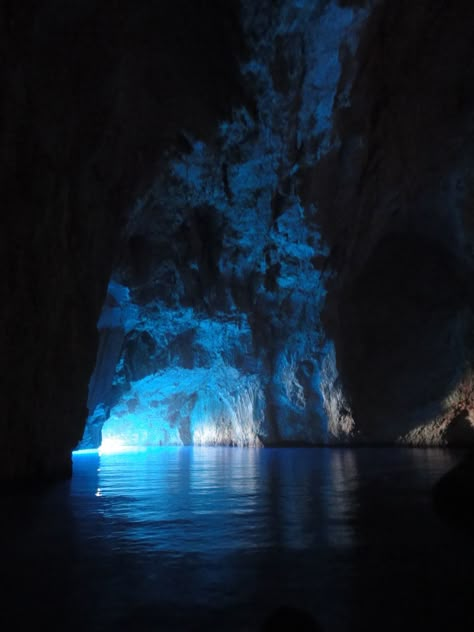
x=453 y=496
x=92 y=98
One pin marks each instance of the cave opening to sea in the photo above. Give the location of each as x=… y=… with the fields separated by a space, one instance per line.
x=238 y=322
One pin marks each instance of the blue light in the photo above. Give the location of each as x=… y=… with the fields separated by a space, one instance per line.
x=175 y=372
x=112 y=445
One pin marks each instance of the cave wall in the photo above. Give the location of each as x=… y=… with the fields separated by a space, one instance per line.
x=224 y=264
x=92 y=95
x=278 y=197
x=396 y=198
x=315 y=259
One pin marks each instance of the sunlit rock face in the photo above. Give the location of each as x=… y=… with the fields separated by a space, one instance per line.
x=304 y=277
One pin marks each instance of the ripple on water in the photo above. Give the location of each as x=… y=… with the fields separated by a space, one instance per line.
x=177 y=538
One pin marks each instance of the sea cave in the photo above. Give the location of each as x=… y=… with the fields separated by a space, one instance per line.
x=238 y=330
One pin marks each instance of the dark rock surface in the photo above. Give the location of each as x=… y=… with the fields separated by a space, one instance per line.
x=290 y=241
x=329 y=230
x=92 y=95
x=399 y=216
x=453 y=495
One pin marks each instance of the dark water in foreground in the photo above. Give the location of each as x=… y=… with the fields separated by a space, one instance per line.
x=217 y=538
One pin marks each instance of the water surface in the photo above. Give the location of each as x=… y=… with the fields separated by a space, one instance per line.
x=217 y=538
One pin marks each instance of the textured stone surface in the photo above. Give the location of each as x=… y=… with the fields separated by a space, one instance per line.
x=297 y=238
x=334 y=222
x=92 y=94
x=225 y=264
x=398 y=215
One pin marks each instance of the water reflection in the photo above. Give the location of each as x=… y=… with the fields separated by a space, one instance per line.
x=216 y=538
x=343 y=480
x=222 y=499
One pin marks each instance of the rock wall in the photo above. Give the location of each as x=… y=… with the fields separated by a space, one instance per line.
x=314 y=260
x=92 y=95
x=281 y=193
x=397 y=203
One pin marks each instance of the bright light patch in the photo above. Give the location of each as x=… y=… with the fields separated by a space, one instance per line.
x=85 y=451
x=209 y=434
x=114 y=445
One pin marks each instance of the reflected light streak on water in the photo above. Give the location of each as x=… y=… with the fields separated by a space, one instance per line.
x=216 y=538
x=210 y=500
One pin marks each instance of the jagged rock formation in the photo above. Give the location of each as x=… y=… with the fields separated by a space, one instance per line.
x=290 y=245
x=401 y=190
x=224 y=263
x=92 y=95
x=314 y=261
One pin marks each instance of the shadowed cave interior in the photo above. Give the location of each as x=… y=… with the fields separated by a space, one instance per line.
x=238 y=224
x=252 y=303
x=279 y=199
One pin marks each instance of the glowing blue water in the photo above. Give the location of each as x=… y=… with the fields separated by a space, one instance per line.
x=216 y=538
x=216 y=501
